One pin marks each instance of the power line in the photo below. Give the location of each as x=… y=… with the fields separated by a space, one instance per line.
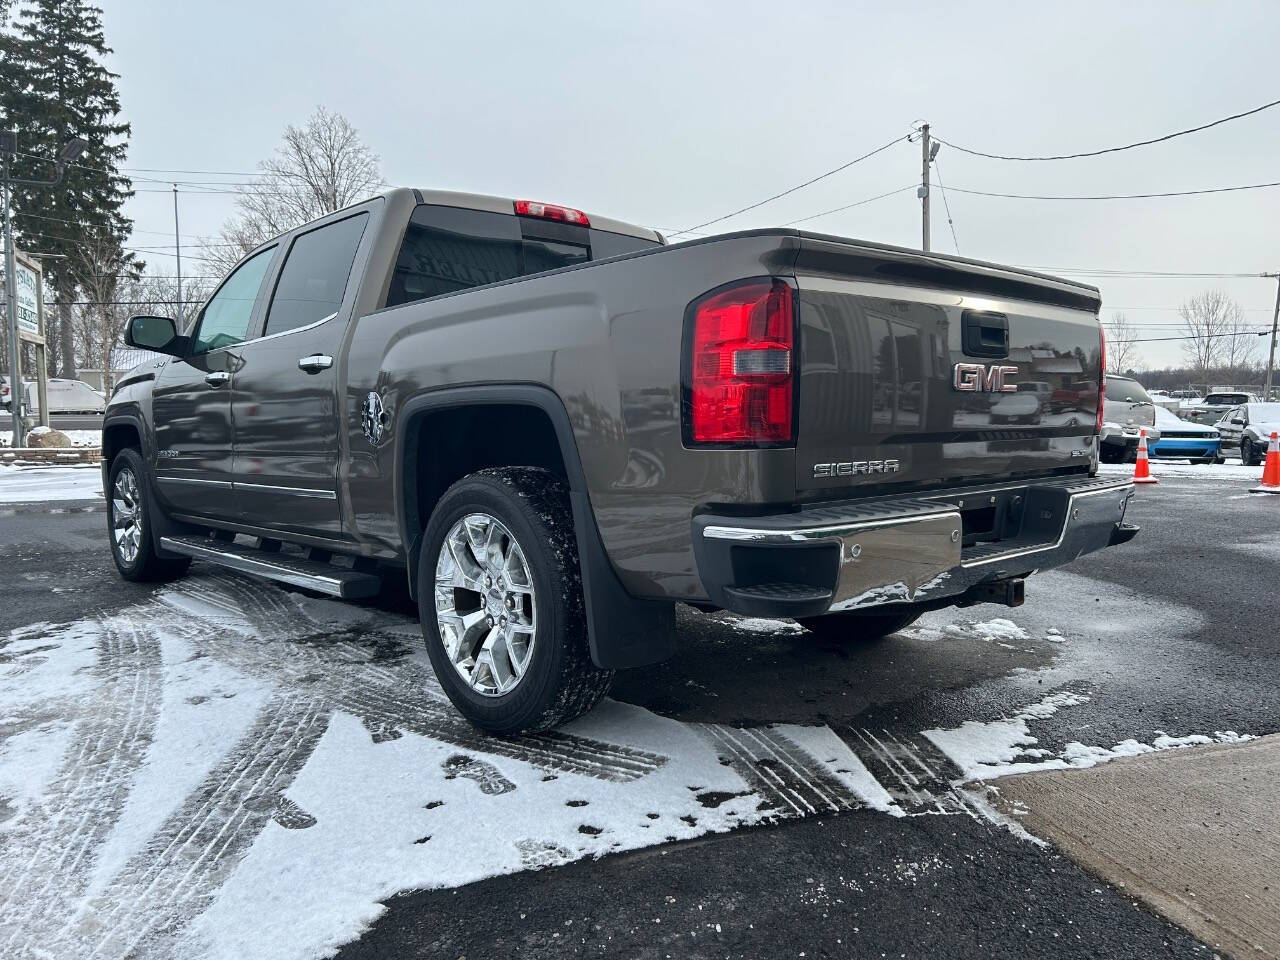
x=1119 y=196
x=1127 y=146
x=850 y=206
x=799 y=186
x=1202 y=336
x=946 y=206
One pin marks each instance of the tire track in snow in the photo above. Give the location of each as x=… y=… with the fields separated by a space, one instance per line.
x=365 y=669
x=48 y=855
x=916 y=774
x=145 y=909
x=787 y=778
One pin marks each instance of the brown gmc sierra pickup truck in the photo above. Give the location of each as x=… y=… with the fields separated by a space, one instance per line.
x=557 y=426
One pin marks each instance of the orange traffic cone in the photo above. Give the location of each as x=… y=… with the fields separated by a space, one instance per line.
x=1142 y=470
x=1271 y=469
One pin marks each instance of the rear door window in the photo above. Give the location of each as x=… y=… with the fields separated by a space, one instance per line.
x=447 y=249
x=315 y=275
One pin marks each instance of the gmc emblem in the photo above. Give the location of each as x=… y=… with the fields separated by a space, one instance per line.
x=977 y=377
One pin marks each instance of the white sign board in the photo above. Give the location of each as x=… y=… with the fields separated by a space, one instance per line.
x=27 y=290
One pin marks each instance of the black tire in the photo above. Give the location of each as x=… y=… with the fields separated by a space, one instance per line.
x=145 y=566
x=1248 y=456
x=1111 y=453
x=859 y=627
x=560 y=682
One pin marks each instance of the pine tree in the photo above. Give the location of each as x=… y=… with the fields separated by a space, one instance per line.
x=54 y=86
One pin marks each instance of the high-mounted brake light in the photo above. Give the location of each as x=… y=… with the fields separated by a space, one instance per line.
x=742 y=365
x=1102 y=376
x=549 y=211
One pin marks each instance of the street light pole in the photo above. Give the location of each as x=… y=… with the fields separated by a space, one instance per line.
x=16 y=394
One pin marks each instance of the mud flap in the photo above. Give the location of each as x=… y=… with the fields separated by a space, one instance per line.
x=623 y=631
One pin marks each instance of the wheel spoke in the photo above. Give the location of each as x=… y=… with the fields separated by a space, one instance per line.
x=486 y=624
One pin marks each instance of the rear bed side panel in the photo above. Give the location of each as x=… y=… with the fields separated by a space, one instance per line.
x=877 y=370
x=606 y=338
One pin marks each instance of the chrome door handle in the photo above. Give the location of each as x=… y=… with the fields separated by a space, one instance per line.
x=217 y=379
x=315 y=363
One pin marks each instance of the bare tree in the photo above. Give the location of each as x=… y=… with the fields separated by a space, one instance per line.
x=1206 y=318
x=1240 y=344
x=98 y=320
x=319 y=167
x=1123 y=352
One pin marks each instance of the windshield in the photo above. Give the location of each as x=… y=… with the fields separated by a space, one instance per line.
x=1264 y=412
x=1126 y=391
x=1226 y=399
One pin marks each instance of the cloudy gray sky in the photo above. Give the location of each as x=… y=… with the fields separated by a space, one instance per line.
x=670 y=114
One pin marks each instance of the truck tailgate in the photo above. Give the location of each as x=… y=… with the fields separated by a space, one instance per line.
x=921 y=370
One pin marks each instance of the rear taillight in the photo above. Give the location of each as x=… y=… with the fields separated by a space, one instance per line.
x=1102 y=376
x=742 y=365
x=549 y=211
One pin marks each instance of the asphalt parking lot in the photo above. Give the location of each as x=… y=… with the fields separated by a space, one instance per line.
x=222 y=768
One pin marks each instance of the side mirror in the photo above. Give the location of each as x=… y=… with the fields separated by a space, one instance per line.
x=1237 y=421
x=154 y=333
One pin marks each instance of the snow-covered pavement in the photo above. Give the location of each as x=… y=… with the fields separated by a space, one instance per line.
x=230 y=770
x=40 y=484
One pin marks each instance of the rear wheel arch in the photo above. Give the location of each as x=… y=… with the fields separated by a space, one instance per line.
x=444 y=435
x=438 y=443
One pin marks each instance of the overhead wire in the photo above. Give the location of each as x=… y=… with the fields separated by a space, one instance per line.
x=946 y=206
x=799 y=186
x=1106 y=150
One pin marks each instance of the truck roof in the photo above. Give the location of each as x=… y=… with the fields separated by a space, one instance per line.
x=481 y=201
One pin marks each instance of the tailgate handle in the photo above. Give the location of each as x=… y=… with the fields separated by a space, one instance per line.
x=984 y=334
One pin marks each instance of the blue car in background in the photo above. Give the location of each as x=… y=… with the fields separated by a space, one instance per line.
x=1183 y=440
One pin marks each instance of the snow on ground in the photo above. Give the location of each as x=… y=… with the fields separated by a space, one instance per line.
x=232 y=770
x=39 y=484
x=78 y=438
x=228 y=769
x=984 y=751
x=1184 y=469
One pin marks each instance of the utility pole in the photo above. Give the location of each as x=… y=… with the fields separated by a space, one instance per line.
x=69 y=153
x=925 y=157
x=1271 y=357
x=177 y=243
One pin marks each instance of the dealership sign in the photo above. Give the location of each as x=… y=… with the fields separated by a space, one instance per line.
x=26 y=290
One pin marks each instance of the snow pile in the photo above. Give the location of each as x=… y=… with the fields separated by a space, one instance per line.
x=78 y=438
x=764 y=625
x=998 y=630
x=986 y=750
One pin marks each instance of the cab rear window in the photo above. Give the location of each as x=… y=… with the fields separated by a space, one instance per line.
x=447 y=249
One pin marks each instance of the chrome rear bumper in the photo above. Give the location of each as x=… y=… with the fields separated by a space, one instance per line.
x=842 y=557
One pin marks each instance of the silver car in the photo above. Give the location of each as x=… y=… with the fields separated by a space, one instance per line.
x=1128 y=408
x=1246 y=430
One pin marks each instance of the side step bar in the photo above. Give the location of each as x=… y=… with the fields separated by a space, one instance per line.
x=298 y=572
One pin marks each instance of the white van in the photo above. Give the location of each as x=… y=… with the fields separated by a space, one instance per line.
x=65 y=396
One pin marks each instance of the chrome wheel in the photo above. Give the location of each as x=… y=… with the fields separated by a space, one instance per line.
x=485 y=604
x=126 y=515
